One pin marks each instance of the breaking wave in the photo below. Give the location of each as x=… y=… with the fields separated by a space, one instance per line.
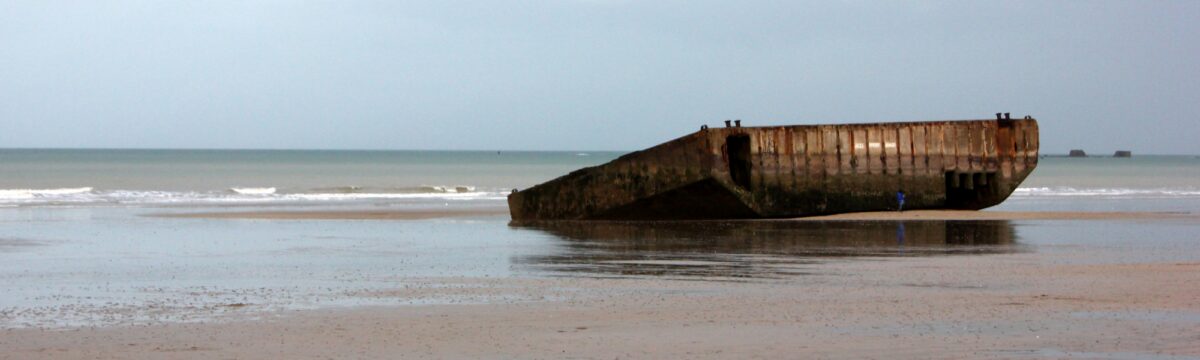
x=6 y=194
x=253 y=191
x=277 y=195
x=450 y=189
x=241 y=195
x=393 y=190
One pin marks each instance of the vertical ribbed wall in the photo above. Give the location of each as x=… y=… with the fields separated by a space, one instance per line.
x=803 y=170
x=836 y=168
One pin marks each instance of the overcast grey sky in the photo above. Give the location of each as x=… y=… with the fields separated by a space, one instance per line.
x=594 y=75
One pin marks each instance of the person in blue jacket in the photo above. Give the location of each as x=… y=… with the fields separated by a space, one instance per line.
x=900 y=200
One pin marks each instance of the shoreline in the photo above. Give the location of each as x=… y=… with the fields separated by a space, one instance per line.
x=421 y=214
x=944 y=215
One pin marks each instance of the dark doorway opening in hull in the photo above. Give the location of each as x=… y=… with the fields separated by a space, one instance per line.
x=738 y=147
x=973 y=190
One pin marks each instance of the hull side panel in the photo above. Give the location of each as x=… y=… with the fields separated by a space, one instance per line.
x=791 y=171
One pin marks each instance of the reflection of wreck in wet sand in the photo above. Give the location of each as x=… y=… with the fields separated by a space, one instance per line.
x=755 y=248
x=791 y=171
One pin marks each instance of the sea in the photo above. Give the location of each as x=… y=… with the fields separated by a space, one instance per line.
x=61 y=178
x=81 y=242
x=204 y=178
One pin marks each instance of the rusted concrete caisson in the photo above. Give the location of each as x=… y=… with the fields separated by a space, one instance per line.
x=792 y=171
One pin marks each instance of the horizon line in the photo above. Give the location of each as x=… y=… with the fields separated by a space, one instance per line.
x=291 y=149
x=462 y=150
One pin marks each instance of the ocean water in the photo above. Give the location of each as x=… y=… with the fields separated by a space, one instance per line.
x=1141 y=183
x=403 y=178
x=275 y=178
x=77 y=249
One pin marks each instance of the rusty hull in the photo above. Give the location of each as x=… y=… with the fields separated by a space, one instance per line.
x=793 y=171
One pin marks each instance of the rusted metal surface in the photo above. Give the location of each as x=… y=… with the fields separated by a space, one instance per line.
x=793 y=171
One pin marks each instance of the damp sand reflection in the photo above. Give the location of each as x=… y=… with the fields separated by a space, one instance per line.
x=751 y=249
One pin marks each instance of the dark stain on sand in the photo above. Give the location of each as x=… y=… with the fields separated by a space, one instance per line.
x=17 y=244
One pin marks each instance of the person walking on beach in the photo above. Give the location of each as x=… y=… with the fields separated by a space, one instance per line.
x=900 y=200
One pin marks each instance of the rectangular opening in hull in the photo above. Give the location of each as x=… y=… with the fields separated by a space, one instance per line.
x=738 y=147
x=970 y=190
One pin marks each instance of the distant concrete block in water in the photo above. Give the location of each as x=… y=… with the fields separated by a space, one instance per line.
x=793 y=171
x=1077 y=153
x=1123 y=154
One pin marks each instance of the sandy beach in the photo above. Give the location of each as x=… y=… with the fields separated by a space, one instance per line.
x=1055 y=301
x=1009 y=306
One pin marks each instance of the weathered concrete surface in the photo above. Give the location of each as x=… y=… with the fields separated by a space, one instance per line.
x=792 y=171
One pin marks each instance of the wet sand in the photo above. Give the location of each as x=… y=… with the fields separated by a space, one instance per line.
x=1003 y=215
x=1129 y=288
x=1002 y=306
x=17 y=244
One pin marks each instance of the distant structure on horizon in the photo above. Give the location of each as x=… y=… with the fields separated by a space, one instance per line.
x=1077 y=153
x=1123 y=154
x=791 y=171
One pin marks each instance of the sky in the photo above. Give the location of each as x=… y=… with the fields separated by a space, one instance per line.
x=586 y=75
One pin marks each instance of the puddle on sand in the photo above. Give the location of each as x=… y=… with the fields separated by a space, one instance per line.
x=750 y=249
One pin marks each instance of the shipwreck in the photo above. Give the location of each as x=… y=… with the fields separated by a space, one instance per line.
x=736 y=172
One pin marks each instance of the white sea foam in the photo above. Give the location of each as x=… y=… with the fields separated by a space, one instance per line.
x=368 y=196
x=87 y=196
x=264 y=195
x=254 y=190
x=449 y=189
x=6 y=194
x=1064 y=191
